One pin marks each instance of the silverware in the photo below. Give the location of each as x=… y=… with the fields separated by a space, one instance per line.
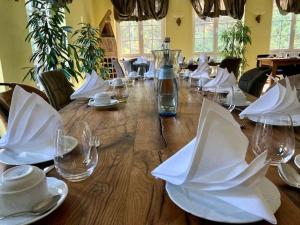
x=39 y=208
x=289 y=175
x=48 y=168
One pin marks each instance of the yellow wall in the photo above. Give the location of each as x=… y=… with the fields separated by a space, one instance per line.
x=260 y=32
x=181 y=36
x=14 y=52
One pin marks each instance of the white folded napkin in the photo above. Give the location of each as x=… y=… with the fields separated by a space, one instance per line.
x=151 y=72
x=203 y=58
x=223 y=80
x=278 y=99
x=32 y=124
x=141 y=60
x=214 y=163
x=201 y=71
x=92 y=85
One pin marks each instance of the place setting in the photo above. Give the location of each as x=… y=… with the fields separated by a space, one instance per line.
x=36 y=134
x=214 y=181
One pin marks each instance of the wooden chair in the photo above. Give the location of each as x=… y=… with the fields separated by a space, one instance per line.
x=118 y=68
x=6 y=97
x=232 y=64
x=57 y=88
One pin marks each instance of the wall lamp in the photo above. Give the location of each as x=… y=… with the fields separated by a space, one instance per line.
x=178 y=18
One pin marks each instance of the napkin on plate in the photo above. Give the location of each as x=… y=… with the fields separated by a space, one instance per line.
x=278 y=99
x=214 y=163
x=223 y=80
x=92 y=85
x=32 y=125
x=201 y=71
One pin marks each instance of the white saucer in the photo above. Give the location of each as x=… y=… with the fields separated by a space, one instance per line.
x=271 y=121
x=213 y=209
x=242 y=104
x=297 y=160
x=113 y=103
x=34 y=154
x=55 y=187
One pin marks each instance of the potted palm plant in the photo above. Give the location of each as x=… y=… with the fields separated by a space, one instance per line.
x=48 y=34
x=235 y=40
x=91 y=54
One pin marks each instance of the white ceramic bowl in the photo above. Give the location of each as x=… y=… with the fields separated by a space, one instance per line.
x=102 y=98
x=21 y=187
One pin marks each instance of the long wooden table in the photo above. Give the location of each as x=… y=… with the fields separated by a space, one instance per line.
x=135 y=140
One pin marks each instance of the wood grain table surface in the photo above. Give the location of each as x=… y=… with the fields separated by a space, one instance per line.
x=135 y=140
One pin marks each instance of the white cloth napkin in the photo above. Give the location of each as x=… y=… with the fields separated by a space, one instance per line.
x=223 y=80
x=203 y=58
x=141 y=60
x=32 y=124
x=92 y=85
x=278 y=99
x=201 y=71
x=214 y=162
x=151 y=72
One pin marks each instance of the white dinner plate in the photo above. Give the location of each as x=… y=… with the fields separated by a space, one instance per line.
x=55 y=187
x=273 y=121
x=113 y=103
x=213 y=209
x=242 y=104
x=34 y=154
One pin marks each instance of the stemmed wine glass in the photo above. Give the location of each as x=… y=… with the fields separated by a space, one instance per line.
x=274 y=133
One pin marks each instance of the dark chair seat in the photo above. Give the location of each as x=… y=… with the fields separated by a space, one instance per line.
x=252 y=81
x=232 y=65
x=57 y=87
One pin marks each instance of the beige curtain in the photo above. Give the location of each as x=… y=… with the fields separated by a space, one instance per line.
x=138 y=10
x=287 y=6
x=216 y=8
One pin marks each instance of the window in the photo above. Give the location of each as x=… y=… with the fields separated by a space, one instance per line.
x=207 y=33
x=139 y=38
x=285 y=31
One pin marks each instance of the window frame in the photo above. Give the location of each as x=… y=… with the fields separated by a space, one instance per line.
x=292 y=35
x=215 y=53
x=140 y=39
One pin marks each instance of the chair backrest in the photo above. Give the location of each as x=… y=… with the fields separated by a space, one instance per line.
x=127 y=65
x=118 y=68
x=57 y=87
x=254 y=80
x=6 y=97
x=232 y=65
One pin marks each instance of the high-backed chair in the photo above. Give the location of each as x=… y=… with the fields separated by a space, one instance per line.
x=6 y=97
x=232 y=65
x=118 y=68
x=254 y=80
x=57 y=87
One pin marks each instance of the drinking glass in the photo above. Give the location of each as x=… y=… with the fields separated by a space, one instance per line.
x=76 y=156
x=274 y=133
x=121 y=92
x=220 y=95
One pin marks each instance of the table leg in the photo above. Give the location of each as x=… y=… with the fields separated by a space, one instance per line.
x=273 y=74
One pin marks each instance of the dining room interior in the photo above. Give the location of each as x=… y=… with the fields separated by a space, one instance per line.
x=149 y=112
